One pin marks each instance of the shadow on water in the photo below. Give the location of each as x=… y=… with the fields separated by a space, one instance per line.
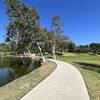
x=89 y=66
x=12 y=68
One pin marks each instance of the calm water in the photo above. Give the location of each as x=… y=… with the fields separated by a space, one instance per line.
x=12 y=68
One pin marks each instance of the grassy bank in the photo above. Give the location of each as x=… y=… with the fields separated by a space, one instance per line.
x=18 y=88
x=89 y=66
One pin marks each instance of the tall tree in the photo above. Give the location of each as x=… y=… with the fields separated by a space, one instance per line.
x=48 y=40
x=23 y=26
x=56 y=32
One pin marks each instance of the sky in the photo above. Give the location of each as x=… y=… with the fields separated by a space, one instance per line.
x=80 y=18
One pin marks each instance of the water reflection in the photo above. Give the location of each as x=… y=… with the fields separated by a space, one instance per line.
x=12 y=68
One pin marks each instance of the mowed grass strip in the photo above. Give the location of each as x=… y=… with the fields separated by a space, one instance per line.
x=89 y=66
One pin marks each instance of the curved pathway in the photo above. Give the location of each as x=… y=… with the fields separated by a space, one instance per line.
x=65 y=83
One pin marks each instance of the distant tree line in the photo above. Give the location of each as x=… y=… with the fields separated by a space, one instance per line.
x=93 y=48
x=62 y=46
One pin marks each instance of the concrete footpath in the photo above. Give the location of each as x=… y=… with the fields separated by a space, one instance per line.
x=65 y=83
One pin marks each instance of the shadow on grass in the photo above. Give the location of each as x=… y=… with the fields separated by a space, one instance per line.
x=89 y=66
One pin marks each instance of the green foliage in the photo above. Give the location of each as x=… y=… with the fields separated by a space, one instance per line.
x=57 y=34
x=83 y=49
x=56 y=26
x=95 y=47
x=24 y=31
x=4 y=47
x=23 y=24
x=71 y=47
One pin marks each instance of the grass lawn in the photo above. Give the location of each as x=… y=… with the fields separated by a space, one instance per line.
x=89 y=66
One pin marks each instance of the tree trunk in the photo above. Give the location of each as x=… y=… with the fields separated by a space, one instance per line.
x=41 y=52
x=31 y=55
x=54 y=50
x=31 y=66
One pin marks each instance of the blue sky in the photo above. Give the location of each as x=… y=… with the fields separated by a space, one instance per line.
x=81 y=18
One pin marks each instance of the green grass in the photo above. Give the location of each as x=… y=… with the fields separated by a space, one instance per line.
x=89 y=66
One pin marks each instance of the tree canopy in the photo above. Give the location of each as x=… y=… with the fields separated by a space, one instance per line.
x=23 y=24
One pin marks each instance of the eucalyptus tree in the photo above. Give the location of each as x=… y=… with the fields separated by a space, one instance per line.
x=51 y=38
x=56 y=32
x=23 y=28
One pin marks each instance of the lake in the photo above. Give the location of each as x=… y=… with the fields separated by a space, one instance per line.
x=12 y=68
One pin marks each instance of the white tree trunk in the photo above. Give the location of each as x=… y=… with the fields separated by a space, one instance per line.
x=31 y=55
x=54 y=50
x=41 y=52
x=31 y=66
